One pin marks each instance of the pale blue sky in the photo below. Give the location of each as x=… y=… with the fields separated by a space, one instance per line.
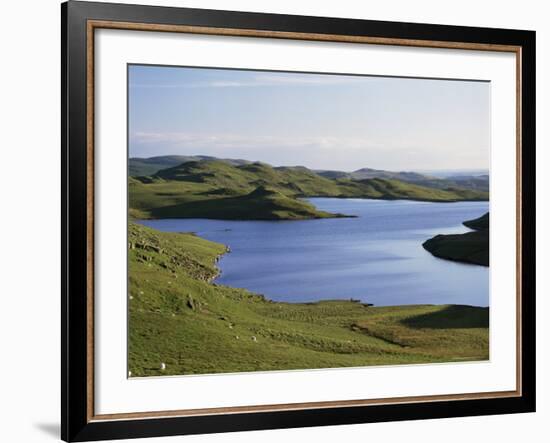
x=316 y=120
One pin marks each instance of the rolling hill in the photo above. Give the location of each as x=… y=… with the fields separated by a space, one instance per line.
x=148 y=166
x=477 y=183
x=263 y=203
x=365 y=173
x=219 y=189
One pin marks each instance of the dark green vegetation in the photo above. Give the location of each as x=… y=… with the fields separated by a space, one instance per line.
x=148 y=166
x=471 y=247
x=478 y=224
x=221 y=189
x=261 y=203
x=180 y=318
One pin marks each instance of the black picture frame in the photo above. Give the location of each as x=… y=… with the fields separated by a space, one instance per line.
x=77 y=425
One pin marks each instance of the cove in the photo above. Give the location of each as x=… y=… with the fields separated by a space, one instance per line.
x=376 y=257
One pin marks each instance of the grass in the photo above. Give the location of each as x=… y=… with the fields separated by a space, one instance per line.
x=149 y=166
x=218 y=189
x=179 y=317
x=390 y=189
x=470 y=247
x=261 y=204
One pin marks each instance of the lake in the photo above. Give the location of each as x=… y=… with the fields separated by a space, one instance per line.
x=377 y=257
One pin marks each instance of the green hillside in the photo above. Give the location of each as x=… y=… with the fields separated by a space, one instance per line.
x=148 y=166
x=221 y=175
x=395 y=189
x=470 y=247
x=218 y=189
x=261 y=204
x=476 y=183
x=366 y=173
x=178 y=317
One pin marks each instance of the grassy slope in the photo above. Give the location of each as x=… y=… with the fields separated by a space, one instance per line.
x=395 y=189
x=262 y=203
x=216 y=189
x=478 y=183
x=470 y=247
x=178 y=317
x=148 y=166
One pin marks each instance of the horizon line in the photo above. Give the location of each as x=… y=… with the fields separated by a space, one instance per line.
x=450 y=169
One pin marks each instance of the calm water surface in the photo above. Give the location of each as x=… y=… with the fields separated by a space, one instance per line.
x=377 y=257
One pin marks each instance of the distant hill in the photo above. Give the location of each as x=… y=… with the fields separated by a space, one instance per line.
x=219 y=189
x=450 y=173
x=397 y=189
x=246 y=177
x=478 y=183
x=148 y=166
x=365 y=173
x=376 y=173
x=470 y=247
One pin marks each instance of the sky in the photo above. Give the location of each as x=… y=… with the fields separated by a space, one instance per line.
x=321 y=121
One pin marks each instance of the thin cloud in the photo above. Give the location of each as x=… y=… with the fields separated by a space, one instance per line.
x=317 y=152
x=184 y=139
x=259 y=81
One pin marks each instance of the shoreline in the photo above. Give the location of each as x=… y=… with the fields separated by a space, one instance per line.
x=219 y=271
x=331 y=216
x=219 y=257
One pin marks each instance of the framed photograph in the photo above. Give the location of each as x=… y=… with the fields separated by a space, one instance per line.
x=275 y=221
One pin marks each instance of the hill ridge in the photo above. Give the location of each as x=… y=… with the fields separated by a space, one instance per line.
x=207 y=188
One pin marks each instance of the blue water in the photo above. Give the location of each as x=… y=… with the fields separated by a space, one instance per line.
x=377 y=257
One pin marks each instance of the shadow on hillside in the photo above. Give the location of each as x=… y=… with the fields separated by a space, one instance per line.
x=451 y=317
